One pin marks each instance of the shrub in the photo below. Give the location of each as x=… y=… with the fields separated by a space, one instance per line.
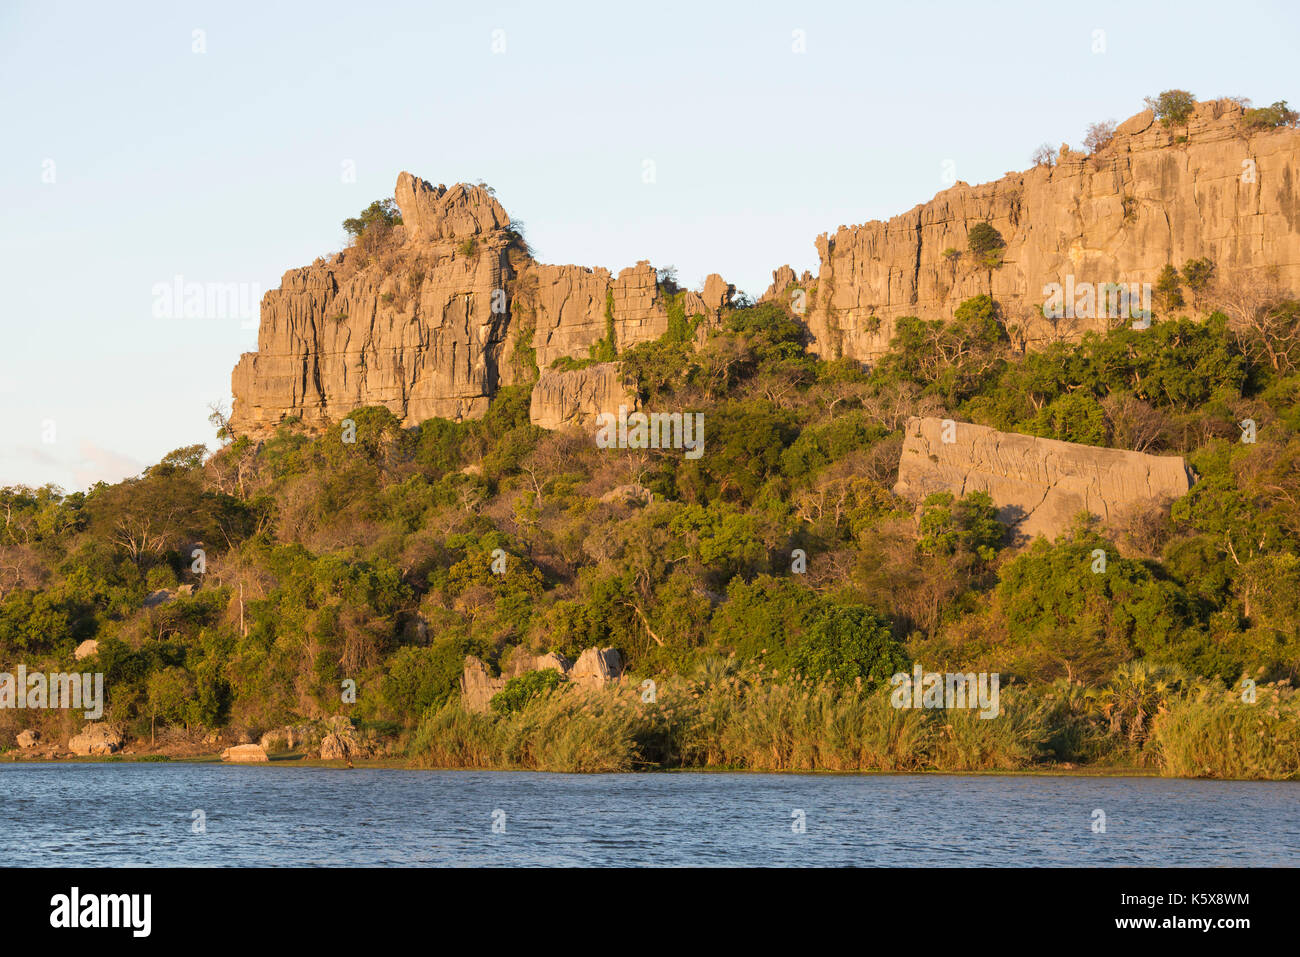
x=382 y=212
x=1169 y=293
x=1221 y=736
x=1269 y=117
x=1172 y=107
x=1197 y=273
x=983 y=239
x=1098 y=136
x=524 y=688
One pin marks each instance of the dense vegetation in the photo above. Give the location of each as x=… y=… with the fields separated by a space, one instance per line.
x=318 y=560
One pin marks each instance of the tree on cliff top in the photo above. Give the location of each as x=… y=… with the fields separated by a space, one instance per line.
x=1172 y=107
x=383 y=211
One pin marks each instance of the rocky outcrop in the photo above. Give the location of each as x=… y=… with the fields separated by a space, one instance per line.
x=782 y=279
x=434 y=213
x=95 y=739
x=1039 y=485
x=478 y=686
x=428 y=317
x=1152 y=197
x=86 y=649
x=416 y=322
x=574 y=398
x=244 y=754
x=293 y=737
x=595 y=668
x=29 y=738
x=572 y=308
x=630 y=494
x=433 y=316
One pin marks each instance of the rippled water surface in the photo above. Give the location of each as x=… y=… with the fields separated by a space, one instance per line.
x=143 y=814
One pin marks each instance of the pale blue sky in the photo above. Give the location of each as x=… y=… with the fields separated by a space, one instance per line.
x=226 y=166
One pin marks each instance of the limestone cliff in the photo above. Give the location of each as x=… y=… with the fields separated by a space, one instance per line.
x=1153 y=196
x=415 y=322
x=575 y=397
x=428 y=317
x=431 y=317
x=1039 y=485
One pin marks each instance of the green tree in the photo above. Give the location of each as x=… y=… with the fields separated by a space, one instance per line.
x=382 y=212
x=1172 y=107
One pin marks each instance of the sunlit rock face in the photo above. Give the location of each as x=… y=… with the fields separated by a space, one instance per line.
x=1039 y=485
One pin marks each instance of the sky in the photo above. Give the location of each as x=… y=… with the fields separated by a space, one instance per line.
x=224 y=143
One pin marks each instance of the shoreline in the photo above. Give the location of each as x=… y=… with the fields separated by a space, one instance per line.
x=291 y=759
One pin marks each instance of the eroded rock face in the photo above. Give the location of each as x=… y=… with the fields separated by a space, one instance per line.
x=574 y=399
x=1142 y=202
x=436 y=212
x=478 y=685
x=430 y=319
x=597 y=667
x=420 y=326
x=1039 y=485
x=452 y=306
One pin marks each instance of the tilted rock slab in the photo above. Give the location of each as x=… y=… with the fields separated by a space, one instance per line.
x=1119 y=216
x=1039 y=485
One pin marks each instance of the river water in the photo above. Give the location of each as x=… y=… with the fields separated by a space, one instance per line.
x=197 y=814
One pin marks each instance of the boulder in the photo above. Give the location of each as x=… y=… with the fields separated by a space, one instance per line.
x=95 y=738
x=631 y=494
x=1039 y=485
x=290 y=738
x=86 y=649
x=597 y=667
x=244 y=754
x=29 y=738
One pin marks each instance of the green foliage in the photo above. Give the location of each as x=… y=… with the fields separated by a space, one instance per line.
x=418 y=678
x=520 y=690
x=949 y=526
x=952 y=359
x=1068 y=614
x=1073 y=417
x=1172 y=107
x=1270 y=117
x=382 y=212
x=1197 y=274
x=606 y=349
x=986 y=244
x=1168 y=289
x=791 y=630
x=388 y=559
